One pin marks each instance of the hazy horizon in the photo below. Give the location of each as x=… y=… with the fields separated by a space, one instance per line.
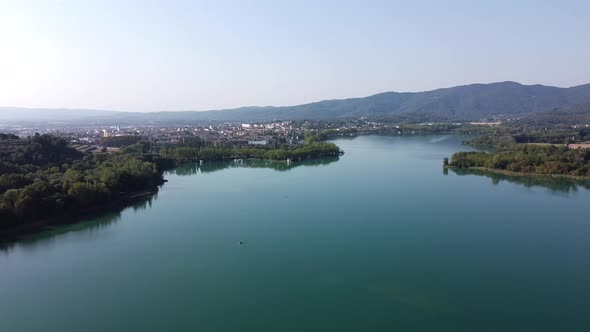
x=244 y=106
x=187 y=56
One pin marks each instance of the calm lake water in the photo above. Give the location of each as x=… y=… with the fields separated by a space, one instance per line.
x=379 y=240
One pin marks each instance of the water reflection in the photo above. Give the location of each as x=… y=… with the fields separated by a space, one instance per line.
x=554 y=184
x=91 y=228
x=95 y=225
x=214 y=166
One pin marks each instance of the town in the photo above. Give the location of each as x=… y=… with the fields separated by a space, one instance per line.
x=109 y=138
x=95 y=138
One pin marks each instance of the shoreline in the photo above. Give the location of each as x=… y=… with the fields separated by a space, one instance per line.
x=521 y=174
x=15 y=233
x=393 y=133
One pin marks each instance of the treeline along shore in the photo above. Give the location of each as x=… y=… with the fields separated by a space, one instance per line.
x=530 y=148
x=527 y=160
x=44 y=182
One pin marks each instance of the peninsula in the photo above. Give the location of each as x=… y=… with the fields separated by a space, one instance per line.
x=44 y=180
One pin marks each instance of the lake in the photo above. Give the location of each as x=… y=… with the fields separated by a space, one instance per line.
x=382 y=239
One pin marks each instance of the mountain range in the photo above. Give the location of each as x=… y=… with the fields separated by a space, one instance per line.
x=460 y=103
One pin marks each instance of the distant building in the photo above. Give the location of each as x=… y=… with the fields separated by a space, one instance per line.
x=482 y=123
x=261 y=142
x=239 y=142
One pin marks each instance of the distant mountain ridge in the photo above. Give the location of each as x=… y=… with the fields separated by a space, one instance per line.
x=460 y=103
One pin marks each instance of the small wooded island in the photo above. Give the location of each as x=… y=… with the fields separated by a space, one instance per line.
x=44 y=181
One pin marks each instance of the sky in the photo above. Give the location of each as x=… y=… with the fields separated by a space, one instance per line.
x=204 y=55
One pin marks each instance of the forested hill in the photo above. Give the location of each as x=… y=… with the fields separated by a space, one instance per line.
x=461 y=103
x=565 y=116
x=469 y=102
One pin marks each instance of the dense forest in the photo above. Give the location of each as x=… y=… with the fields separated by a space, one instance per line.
x=41 y=177
x=294 y=153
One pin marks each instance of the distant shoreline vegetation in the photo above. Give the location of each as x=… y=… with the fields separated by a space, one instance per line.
x=196 y=149
x=529 y=151
x=403 y=129
x=307 y=151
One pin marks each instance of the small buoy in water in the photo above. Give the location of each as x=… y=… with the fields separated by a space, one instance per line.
x=241 y=242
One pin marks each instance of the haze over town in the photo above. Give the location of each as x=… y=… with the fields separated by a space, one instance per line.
x=204 y=55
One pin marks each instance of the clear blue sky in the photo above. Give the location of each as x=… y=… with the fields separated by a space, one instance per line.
x=199 y=55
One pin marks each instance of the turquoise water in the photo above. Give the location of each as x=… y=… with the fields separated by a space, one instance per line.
x=379 y=240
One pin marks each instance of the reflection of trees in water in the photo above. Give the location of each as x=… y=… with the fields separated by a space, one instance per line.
x=89 y=228
x=145 y=203
x=555 y=184
x=214 y=166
